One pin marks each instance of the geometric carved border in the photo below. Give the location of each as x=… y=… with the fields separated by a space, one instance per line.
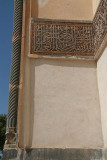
x=100 y=24
x=69 y=38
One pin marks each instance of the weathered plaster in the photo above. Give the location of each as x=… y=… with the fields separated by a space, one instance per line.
x=42 y=3
x=61 y=104
x=102 y=83
x=65 y=9
x=25 y=34
x=29 y=11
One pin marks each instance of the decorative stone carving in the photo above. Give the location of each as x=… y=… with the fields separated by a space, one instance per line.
x=11 y=127
x=59 y=38
x=100 y=24
x=10 y=137
x=65 y=38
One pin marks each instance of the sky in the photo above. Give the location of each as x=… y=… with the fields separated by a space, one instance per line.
x=6 y=27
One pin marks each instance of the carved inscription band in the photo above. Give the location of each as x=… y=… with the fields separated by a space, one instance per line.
x=59 y=38
x=62 y=38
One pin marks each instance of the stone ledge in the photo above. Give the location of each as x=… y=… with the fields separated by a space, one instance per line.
x=55 y=154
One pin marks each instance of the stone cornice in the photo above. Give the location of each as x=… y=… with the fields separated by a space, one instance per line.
x=69 y=39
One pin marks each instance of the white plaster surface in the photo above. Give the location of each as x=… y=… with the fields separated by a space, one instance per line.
x=95 y=5
x=102 y=83
x=65 y=9
x=61 y=105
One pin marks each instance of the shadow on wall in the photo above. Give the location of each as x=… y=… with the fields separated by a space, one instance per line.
x=35 y=10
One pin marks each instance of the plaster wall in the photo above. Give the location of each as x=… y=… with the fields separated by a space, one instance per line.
x=102 y=84
x=95 y=5
x=61 y=104
x=65 y=9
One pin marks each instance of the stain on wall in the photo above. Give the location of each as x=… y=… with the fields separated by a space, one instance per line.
x=42 y=3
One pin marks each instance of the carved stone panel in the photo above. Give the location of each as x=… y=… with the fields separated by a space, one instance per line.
x=69 y=38
x=59 y=38
x=100 y=24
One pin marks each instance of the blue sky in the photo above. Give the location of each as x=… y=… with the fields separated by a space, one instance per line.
x=6 y=27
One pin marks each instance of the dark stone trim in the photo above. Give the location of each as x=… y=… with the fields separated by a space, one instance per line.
x=13 y=154
x=55 y=154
